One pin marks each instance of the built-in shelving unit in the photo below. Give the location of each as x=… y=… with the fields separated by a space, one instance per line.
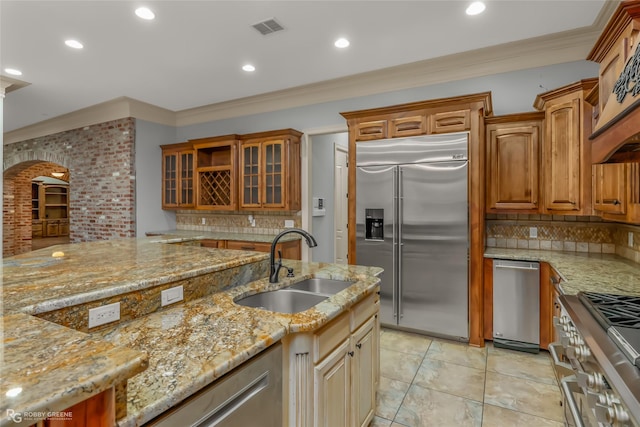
x=49 y=209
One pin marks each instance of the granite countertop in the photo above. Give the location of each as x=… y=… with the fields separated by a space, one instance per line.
x=586 y=272
x=193 y=344
x=182 y=348
x=38 y=282
x=177 y=236
x=46 y=367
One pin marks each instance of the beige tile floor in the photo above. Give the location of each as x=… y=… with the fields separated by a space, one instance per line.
x=433 y=382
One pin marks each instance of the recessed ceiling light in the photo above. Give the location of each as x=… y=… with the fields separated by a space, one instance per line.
x=13 y=71
x=341 y=43
x=248 y=68
x=475 y=8
x=145 y=13
x=74 y=44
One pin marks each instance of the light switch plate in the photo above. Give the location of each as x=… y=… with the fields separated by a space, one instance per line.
x=104 y=314
x=533 y=232
x=171 y=295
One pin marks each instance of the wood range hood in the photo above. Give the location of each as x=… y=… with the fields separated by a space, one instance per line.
x=616 y=98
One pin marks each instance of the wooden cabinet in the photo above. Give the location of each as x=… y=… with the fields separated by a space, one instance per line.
x=49 y=210
x=97 y=411
x=216 y=172
x=566 y=152
x=290 y=249
x=270 y=171
x=334 y=372
x=609 y=189
x=178 y=186
x=513 y=160
x=616 y=191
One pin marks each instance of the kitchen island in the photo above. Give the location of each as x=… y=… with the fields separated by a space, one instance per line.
x=186 y=346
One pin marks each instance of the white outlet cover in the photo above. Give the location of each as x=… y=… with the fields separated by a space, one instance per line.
x=630 y=239
x=171 y=295
x=288 y=223
x=533 y=232
x=104 y=314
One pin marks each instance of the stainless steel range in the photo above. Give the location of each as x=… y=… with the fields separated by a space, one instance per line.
x=597 y=359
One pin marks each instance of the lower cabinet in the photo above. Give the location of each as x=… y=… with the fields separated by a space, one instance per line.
x=289 y=250
x=333 y=372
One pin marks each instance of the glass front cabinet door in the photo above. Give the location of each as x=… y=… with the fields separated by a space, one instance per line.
x=270 y=171
x=177 y=176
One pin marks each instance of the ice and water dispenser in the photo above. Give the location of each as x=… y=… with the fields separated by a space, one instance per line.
x=374 y=224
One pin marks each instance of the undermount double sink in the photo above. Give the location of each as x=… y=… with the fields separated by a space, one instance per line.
x=298 y=297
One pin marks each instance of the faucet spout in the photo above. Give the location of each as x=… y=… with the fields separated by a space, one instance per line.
x=276 y=265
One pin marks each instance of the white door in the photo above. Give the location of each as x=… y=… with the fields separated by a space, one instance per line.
x=341 y=182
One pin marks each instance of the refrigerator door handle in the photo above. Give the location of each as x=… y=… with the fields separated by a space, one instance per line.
x=399 y=221
x=394 y=254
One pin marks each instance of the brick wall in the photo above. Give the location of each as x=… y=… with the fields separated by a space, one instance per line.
x=100 y=159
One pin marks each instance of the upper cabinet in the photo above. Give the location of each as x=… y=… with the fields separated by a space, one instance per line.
x=566 y=154
x=270 y=171
x=616 y=191
x=177 y=176
x=513 y=145
x=616 y=134
x=259 y=171
x=216 y=172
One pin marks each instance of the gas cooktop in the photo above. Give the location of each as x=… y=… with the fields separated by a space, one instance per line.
x=619 y=315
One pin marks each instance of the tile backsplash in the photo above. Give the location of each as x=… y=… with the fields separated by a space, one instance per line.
x=234 y=222
x=562 y=233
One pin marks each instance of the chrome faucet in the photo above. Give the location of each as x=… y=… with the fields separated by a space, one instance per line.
x=276 y=265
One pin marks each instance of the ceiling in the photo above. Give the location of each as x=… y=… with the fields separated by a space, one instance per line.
x=192 y=53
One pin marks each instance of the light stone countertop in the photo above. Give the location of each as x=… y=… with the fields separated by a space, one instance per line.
x=183 y=348
x=177 y=236
x=585 y=272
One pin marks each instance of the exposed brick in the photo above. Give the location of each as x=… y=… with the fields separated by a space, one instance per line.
x=100 y=159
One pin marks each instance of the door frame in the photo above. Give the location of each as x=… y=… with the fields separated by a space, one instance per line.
x=340 y=148
x=306 y=174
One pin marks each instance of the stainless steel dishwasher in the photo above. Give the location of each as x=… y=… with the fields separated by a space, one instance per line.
x=516 y=305
x=248 y=396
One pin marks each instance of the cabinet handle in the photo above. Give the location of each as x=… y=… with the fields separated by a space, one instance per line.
x=359 y=345
x=351 y=353
x=616 y=202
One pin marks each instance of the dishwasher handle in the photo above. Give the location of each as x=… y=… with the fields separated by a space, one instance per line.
x=517 y=267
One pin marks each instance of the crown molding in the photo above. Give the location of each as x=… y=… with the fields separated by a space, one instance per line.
x=567 y=46
x=559 y=48
x=115 y=109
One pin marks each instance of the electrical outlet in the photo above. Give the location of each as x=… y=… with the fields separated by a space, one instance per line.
x=204 y=221
x=288 y=223
x=171 y=295
x=105 y=314
x=630 y=238
x=533 y=232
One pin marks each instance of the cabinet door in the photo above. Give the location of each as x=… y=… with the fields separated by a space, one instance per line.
x=274 y=191
x=249 y=246
x=609 y=188
x=170 y=180
x=186 y=198
x=562 y=157
x=364 y=373
x=331 y=395
x=633 y=193
x=368 y=131
x=53 y=228
x=513 y=156
x=250 y=176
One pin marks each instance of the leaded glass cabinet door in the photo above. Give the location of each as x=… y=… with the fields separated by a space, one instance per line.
x=250 y=170
x=186 y=179
x=170 y=181
x=274 y=185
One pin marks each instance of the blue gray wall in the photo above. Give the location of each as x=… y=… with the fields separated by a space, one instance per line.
x=322 y=185
x=512 y=92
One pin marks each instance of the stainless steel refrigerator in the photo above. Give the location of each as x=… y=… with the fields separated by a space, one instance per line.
x=412 y=220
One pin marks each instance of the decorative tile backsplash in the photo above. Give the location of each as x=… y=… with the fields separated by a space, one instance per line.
x=562 y=233
x=233 y=222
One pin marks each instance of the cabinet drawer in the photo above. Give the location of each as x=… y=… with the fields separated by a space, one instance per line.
x=331 y=336
x=248 y=246
x=408 y=126
x=362 y=311
x=450 y=121
x=367 y=131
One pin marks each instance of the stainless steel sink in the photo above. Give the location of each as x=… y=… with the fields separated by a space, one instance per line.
x=283 y=300
x=319 y=285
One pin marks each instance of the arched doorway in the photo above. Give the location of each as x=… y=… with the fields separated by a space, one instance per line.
x=19 y=207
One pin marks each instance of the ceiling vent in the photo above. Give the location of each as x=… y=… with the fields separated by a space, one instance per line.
x=267 y=27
